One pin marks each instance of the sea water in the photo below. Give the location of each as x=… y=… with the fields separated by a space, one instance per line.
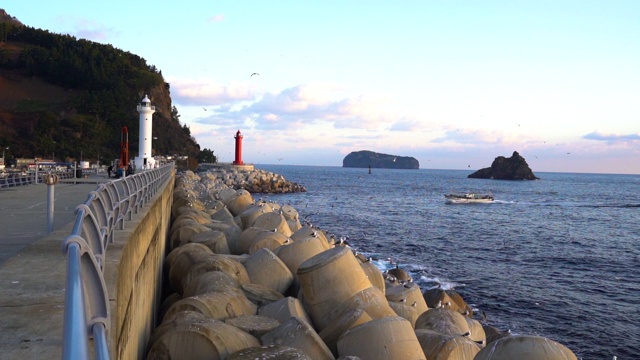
x=557 y=257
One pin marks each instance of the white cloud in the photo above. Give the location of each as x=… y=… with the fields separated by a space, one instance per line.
x=612 y=138
x=210 y=93
x=88 y=29
x=216 y=18
x=299 y=106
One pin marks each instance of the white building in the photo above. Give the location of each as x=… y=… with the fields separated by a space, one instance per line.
x=145 y=160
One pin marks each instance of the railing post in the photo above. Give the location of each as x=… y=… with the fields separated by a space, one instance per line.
x=51 y=180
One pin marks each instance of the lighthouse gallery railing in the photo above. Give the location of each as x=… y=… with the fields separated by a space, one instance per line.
x=86 y=308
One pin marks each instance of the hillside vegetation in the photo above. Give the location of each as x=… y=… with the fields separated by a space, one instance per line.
x=67 y=97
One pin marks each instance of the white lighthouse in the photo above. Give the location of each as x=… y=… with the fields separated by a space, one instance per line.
x=145 y=159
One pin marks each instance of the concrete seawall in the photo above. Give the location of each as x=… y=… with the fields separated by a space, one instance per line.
x=132 y=274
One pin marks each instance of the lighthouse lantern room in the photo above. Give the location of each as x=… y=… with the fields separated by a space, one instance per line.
x=145 y=159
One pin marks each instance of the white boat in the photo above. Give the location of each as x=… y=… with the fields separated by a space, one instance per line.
x=468 y=198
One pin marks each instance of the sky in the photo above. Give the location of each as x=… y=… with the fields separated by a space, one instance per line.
x=454 y=84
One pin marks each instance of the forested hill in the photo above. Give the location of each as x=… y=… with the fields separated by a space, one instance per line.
x=66 y=97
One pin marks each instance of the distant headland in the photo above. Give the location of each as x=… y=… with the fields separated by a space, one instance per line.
x=365 y=159
x=513 y=168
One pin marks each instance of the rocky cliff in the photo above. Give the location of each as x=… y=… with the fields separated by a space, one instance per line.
x=365 y=158
x=67 y=98
x=513 y=168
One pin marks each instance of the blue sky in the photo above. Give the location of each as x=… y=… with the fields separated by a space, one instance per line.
x=452 y=83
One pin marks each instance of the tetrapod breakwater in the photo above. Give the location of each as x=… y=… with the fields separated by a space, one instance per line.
x=244 y=279
x=252 y=180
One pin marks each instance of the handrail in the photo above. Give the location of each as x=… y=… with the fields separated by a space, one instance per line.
x=86 y=308
x=8 y=181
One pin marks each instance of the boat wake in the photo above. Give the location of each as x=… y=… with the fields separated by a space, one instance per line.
x=567 y=204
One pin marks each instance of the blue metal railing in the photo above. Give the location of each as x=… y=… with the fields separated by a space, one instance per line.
x=13 y=180
x=86 y=308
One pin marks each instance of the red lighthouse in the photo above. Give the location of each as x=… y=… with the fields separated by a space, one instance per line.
x=238 y=160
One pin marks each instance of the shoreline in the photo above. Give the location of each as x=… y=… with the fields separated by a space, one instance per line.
x=223 y=225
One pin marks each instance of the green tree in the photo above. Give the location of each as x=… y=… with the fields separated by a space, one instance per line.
x=174 y=115
x=207 y=156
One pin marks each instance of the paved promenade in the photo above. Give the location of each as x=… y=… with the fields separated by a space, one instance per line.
x=23 y=211
x=33 y=268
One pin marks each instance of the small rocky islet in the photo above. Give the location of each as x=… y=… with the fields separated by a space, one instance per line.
x=375 y=160
x=503 y=168
x=245 y=279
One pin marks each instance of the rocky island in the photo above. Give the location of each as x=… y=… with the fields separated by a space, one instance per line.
x=513 y=168
x=365 y=159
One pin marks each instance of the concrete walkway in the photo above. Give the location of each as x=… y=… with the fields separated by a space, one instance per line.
x=33 y=268
x=23 y=212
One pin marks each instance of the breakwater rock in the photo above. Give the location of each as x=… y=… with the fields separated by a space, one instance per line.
x=254 y=181
x=502 y=168
x=244 y=279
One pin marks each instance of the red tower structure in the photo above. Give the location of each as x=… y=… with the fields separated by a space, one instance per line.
x=238 y=160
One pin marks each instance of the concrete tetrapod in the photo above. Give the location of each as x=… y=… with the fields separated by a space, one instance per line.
x=299 y=251
x=181 y=235
x=437 y=346
x=494 y=334
x=409 y=294
x=213 y=239
x=284 y=309
x=382 y=339
x=279 y=352
x=447 y=298
x=405 y=311
x=273 y=221
x=199 y=216
x=238 y=202
x=224 y=194
x=210 y=281
x=371 y=300
x=201 y=340
x=245 y=240
x=171 y=322
x=181 y=276
x=255 y=238
x=253 y=212
x=327 y=280
x=477 y=332
x=374 y=274
x=222 y=214
x=191 y=247
x=218 y=305
x=255 y=325
x=349 y=319
x=178 y=263
x=260 y=295
x=289 y=212
x=308 y=231
x=299 y=334
x=444 y=321
x=525 y=348
x=265 y=268
x=294 y=225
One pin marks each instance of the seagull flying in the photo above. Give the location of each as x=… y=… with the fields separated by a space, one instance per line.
x=254 y=74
